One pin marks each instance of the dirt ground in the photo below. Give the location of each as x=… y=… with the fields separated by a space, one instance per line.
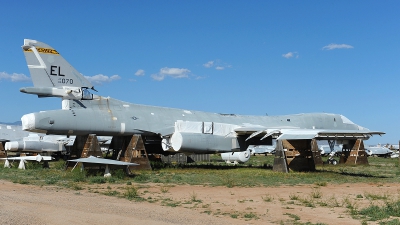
x=184 y=204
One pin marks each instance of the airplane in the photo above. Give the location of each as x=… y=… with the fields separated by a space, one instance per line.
x=11 y=132
x=378 y=150
x=15 y=139
x=325 y=149
x=392 y=146
x=47 y=143
x=23 y=159
x=39 y=143
x=164 y=130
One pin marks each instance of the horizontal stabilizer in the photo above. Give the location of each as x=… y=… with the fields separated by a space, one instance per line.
x=72 y=93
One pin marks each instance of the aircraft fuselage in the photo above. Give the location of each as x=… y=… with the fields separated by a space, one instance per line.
x=107 y=116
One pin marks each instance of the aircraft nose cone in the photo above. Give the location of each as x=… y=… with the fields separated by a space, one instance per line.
x=28 y=121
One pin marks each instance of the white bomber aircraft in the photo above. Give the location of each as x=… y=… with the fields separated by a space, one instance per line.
x=163 y=129
x=15 y=139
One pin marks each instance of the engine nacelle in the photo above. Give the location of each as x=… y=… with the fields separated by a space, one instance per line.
x=236 y=157
x=199 y=143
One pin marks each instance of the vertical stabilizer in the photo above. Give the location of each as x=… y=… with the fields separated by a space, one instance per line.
x=51 y=74
x=49 y=69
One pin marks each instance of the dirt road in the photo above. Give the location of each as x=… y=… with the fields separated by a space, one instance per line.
x=184 y=204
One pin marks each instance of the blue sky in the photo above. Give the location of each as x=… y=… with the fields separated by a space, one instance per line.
x=242 y=57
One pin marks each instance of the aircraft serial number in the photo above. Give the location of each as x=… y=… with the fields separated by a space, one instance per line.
x=65 y=81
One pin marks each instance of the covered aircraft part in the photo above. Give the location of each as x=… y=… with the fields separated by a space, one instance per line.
x=236 y=157
x=34 y=146
x=200 y=137
x=166 y=145
x=195 y=142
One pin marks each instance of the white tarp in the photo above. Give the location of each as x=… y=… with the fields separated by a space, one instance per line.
x=188 y=126
x=221 y=129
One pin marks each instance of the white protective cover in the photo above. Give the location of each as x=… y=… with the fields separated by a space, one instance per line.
x=221 y=129
x=241 y=157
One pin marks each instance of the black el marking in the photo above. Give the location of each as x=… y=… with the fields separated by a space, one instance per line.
x=53 y=71
x=59 y=72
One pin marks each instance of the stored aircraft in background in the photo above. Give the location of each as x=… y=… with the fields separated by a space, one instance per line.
x=14 y=139
x=39 y=143
x=164 y=130
x=378 y=150
x=10 y=132
x=47 y=143
x=22 y=160
x=327 y=148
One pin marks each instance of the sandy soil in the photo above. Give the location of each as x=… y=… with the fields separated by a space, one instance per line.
x=184 y=204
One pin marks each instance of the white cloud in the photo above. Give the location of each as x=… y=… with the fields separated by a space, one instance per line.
x=209 y=64
x=217 y=64
x=14 y=77
x=158 y=77
x=336 y=46
x=199 y=77
x=171 y=72
x=140 y=73
x=290 y=55
x=175 y=72
x=100 y=78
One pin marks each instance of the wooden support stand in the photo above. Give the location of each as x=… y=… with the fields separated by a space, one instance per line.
x=131 y=149
x=126 y=149
x=135 y=152
x=91 y=147
x=354 y=153
x=280 y=164
x=300 y=155
x=2 y=152
x=83 y=147
x=316 y=153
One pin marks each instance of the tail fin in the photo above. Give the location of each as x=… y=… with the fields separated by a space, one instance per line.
x=49 y=69
x=51 y=74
